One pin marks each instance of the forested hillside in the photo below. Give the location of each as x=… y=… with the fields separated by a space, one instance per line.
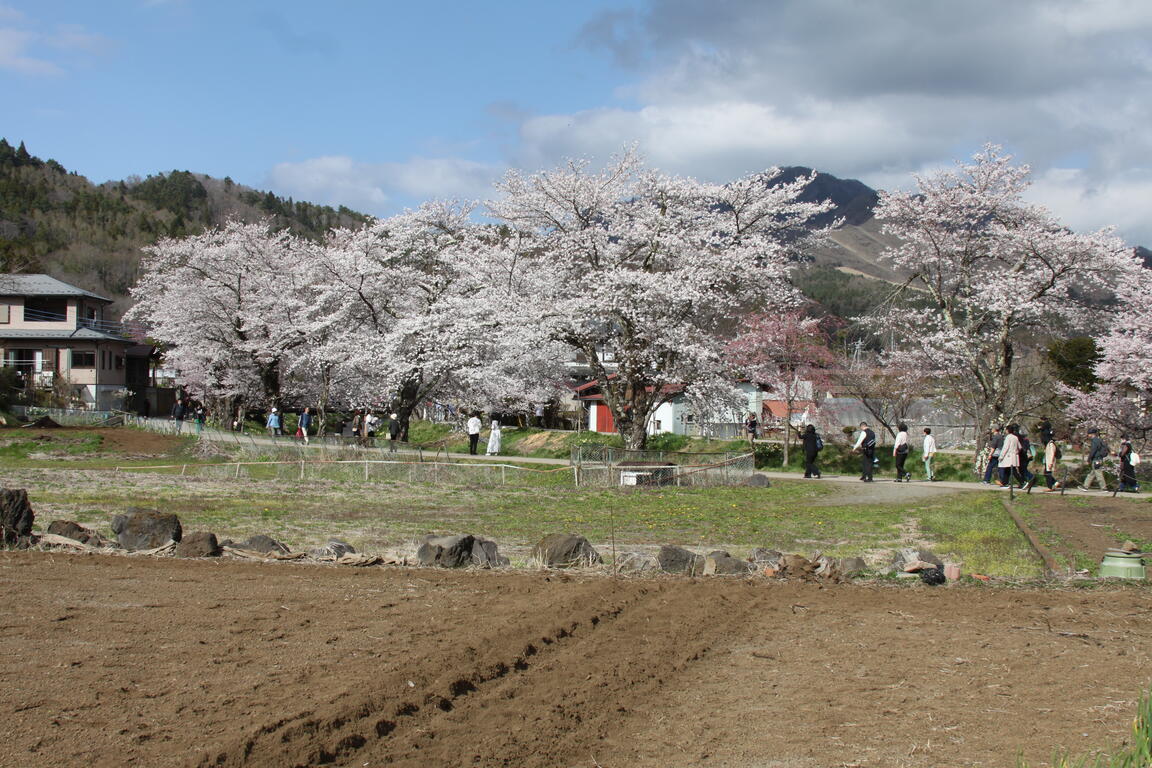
x=59 y=222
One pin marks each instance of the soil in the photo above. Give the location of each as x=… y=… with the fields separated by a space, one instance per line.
x=1093 y=524
x=115 y=661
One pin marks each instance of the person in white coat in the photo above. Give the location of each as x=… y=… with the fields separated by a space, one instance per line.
x=929 y=449
x=494 y=439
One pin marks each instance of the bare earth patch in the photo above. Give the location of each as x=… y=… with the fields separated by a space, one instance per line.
x=134 y=661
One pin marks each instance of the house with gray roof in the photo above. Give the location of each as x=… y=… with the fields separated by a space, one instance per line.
x=57 y=335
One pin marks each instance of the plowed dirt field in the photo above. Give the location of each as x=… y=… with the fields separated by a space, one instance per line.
x=114 y=661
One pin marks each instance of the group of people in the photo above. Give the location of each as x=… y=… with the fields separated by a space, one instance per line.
x=1008 y=452
x=495 y=434
x=901 y=448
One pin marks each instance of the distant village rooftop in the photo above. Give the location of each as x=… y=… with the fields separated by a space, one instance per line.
x=42 y=285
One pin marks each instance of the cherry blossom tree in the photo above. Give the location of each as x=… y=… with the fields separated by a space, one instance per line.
x=649 y=268
x=787 y=353
x=224 y=303
x=1121 y=402
x=990 y=271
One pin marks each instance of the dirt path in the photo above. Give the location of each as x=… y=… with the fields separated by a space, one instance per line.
x=131 y=661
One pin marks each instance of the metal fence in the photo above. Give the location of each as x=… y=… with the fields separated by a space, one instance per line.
x=606 y=466
x=365 y=471
x=69 y=417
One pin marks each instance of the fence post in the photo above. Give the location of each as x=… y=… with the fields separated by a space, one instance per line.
x=503 y=475
x=301 y=469
x=365 y=470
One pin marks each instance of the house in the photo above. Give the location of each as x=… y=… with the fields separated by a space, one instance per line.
x=56 y=336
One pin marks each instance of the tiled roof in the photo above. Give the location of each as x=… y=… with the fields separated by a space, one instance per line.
x=41 y=285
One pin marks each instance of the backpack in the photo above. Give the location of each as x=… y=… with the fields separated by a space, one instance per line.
x=869 y=443
x=1134 y=458
x=1059 y=453
x=820 y=444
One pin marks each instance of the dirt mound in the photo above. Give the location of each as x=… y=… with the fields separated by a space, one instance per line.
x=44 y=422
x=170 y=663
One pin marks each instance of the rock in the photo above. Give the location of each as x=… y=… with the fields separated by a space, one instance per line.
x=198 y=544
x=72 y=530
x=140 y=528
x=16 y=515
x=446 y=551
x=723 y=564
x=265 y=544
x=852 y=566
x=758 y=481
x=905 y=557
x=486 y=555
x=768 y=558
x=565 y=550
x=797 y=567
x=679 y=560
x=718 y=553
x=334 y=549
x=828 y=569
x=635 y=562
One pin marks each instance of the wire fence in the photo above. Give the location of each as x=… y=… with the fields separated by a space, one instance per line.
x=69 y=417
x=610 y=467
x=364 y=471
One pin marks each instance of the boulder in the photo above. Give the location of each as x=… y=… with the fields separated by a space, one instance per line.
x=723 y=564
x=852 y=566
x=486 y=554
x=797 y=567
x=635 y=562
x=766 y=558
x=565 y=550
x=140 y=528
x=73 y=530
x=758 y=481
x=334 y=549
x=264 y=544
x=910 y=556
x=679 y=560
x=16 y=515
x=198 y=544
x=446 y=551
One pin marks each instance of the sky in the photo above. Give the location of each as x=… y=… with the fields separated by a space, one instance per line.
x=381 y=105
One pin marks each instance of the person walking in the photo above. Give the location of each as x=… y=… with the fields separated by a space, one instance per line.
x=371 y=422
x=494 y=437
x=752 y=427
x=393 y=432
x=900 y=450
x=929 y=449
x=473 y=427
x=1051 y=456
x=1097 y=452
x=305 y=424
x=273 y=422
x=1009 y=463
x=812 y=444
x=996 y=442
x=201 y=418
x=1044 y=431
x=866 y=445
x=1028 y=478
x=1128 y=482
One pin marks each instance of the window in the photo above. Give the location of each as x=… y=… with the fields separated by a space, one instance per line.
x=5 y=313
x=83 y=359
x=46 y=309
x=119 y=362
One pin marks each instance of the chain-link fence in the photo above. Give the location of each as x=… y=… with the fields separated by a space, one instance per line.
x=69 y=417
x=606 y=466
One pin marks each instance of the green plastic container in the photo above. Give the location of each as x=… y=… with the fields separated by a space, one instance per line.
x=1118 y=564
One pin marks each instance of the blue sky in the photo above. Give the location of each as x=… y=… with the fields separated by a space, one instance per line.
x=378 y=105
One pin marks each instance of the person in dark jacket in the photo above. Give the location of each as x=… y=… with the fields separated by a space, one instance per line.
x=1128 y=482
x=393 y=432
x=996 y=442
x=1097 y=452
x=305 y=424
x=866 y=445
x=811 y=443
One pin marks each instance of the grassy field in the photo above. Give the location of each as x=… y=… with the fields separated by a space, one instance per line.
x=67 y=476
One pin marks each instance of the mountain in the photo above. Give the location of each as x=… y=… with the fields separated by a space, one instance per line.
x=90 y=235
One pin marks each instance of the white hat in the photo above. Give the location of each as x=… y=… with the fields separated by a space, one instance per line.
x=273 y=409
x=393 y=416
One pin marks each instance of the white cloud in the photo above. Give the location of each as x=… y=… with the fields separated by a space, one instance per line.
x=881 y=90
x=382 y=188
x=14 y=57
